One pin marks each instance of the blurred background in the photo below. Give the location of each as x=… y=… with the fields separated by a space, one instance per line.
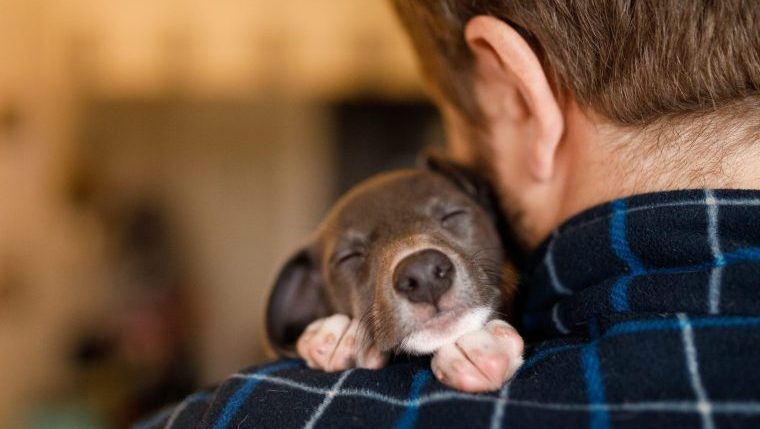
x=159 y=160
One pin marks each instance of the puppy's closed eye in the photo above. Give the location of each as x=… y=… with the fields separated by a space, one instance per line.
x=453 y=215
x=348 y=257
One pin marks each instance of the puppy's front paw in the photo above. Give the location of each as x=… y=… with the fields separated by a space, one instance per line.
x=482 y=360
x=330 y=344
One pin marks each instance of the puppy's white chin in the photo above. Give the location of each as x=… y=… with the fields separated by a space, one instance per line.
x=427 y=341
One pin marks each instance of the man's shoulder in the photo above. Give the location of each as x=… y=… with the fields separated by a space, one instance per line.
x=661 y=371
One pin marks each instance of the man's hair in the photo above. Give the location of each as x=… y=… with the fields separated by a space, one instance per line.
x=632 y=61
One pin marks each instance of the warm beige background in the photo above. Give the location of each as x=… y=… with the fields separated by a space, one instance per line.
x=280 y=60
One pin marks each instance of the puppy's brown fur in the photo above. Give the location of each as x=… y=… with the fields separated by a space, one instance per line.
x=348 y=267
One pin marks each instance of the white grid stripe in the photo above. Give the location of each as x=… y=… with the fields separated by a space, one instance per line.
x=712 y=226
x=716 y=274
x=177 y=411
x=703 y=403
x=549 y=261
x=713 y=292
x=329 y=396
x=498 y=408
x=557 y=321
x=153 y=422
x=727 y=407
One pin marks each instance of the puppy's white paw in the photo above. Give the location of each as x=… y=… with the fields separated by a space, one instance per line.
x=482 y=360
x=330 y=344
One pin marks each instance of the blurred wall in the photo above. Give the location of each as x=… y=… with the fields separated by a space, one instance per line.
x=234 y=47
x=217 y=109
x=241 y=183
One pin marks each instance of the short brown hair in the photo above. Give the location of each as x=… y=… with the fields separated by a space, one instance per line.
x=630 y=61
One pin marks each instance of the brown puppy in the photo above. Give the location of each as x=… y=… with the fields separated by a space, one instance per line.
x=408 y=261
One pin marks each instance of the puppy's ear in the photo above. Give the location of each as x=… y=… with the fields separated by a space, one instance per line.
x=466 y=179
x=296 y=300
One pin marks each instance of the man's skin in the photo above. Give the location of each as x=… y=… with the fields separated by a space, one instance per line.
x=551 y=159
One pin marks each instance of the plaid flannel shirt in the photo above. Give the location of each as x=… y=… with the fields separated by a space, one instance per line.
x=643 y=312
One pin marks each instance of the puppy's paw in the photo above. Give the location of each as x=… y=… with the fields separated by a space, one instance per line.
x=330 y=344
x=482 y=360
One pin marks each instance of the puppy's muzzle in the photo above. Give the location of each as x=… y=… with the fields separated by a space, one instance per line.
x=424 y=276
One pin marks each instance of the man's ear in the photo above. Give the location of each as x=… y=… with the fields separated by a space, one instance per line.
x=513 y=90
x=296 y=300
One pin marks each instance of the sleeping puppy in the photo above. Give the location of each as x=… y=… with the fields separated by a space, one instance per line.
x=407 y=261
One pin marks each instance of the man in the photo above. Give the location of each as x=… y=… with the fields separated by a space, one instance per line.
x=623 y=137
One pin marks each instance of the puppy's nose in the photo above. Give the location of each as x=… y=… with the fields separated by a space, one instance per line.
x=424 y=276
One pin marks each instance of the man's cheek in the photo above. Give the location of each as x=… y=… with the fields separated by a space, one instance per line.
x=459 y=144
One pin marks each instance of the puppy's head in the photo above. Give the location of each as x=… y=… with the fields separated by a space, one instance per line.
x=413 y=254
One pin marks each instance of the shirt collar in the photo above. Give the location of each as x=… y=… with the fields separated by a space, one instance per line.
x=615 y=258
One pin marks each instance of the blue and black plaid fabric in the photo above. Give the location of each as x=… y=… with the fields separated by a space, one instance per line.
x=641 y=313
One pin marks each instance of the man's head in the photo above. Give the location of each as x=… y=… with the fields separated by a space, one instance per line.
x=570 y=103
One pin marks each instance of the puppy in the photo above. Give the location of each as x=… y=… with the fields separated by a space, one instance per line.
x=407 y=261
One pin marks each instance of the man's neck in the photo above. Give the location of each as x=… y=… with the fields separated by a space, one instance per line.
x=605 y=162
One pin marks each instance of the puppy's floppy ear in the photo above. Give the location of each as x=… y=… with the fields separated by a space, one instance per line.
x=296 y=300
x=466 y=179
